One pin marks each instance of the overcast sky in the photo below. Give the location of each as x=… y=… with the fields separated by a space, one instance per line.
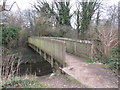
x=25 y=4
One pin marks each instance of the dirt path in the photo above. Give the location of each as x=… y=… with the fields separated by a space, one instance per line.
x=60 y=81
x=90 y=74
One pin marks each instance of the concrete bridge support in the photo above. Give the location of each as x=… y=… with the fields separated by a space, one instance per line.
x=54 y=64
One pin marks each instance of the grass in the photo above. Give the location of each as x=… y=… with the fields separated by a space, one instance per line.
x=105 y=67
x=23 y=82
x=89 y=61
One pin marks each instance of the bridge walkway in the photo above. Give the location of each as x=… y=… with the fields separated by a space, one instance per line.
x=91 y=75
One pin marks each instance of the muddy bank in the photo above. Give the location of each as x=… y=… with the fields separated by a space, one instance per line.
x=33 y=63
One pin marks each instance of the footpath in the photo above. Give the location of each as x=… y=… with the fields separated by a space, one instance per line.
x=92 y=75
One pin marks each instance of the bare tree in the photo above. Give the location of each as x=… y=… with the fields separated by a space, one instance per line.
x=11 y=19
x=3 y=7
x=9 y=67
x=112 y=13
x=106 y=37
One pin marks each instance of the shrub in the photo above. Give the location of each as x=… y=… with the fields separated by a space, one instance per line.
x=9 y=34
x=112 y=60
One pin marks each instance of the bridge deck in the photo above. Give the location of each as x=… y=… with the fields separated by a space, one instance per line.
x=90 y=74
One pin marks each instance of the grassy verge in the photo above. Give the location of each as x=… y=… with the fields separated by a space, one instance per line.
x=23 y=82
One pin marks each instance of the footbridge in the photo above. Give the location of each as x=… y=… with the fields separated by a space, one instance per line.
x=68 y=55
x=55 y=49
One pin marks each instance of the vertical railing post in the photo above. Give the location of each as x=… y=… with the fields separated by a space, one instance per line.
x=92 y=47
x=75 y=47
x=51 y=60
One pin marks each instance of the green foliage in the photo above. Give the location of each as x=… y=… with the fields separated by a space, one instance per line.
x=23 y=82
x=9 y=34
x=63 y=11
x=40 y=85
x=90 y=60
x=112 y=60
x=88 y=9
x=105 y=67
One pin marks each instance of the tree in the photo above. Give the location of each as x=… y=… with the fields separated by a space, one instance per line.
x=78 y=20
x=3 y=6
x=112 y=13
x=29 y=20
x=59 y=10
x=63 y=16
x=11 y=19
x=107 y=33
x=10 y=34
x=88 y=9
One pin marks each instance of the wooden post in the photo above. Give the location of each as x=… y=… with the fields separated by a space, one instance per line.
x=92 y=49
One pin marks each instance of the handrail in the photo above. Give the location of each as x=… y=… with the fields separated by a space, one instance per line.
x=82 y=48
x=52 y=47
x=57 y=47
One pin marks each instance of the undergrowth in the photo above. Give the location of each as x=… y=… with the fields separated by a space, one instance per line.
x=90 y=60
x=23 y=82
x=111 y=61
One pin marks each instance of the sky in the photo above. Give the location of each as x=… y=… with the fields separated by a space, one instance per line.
x=25 y=4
